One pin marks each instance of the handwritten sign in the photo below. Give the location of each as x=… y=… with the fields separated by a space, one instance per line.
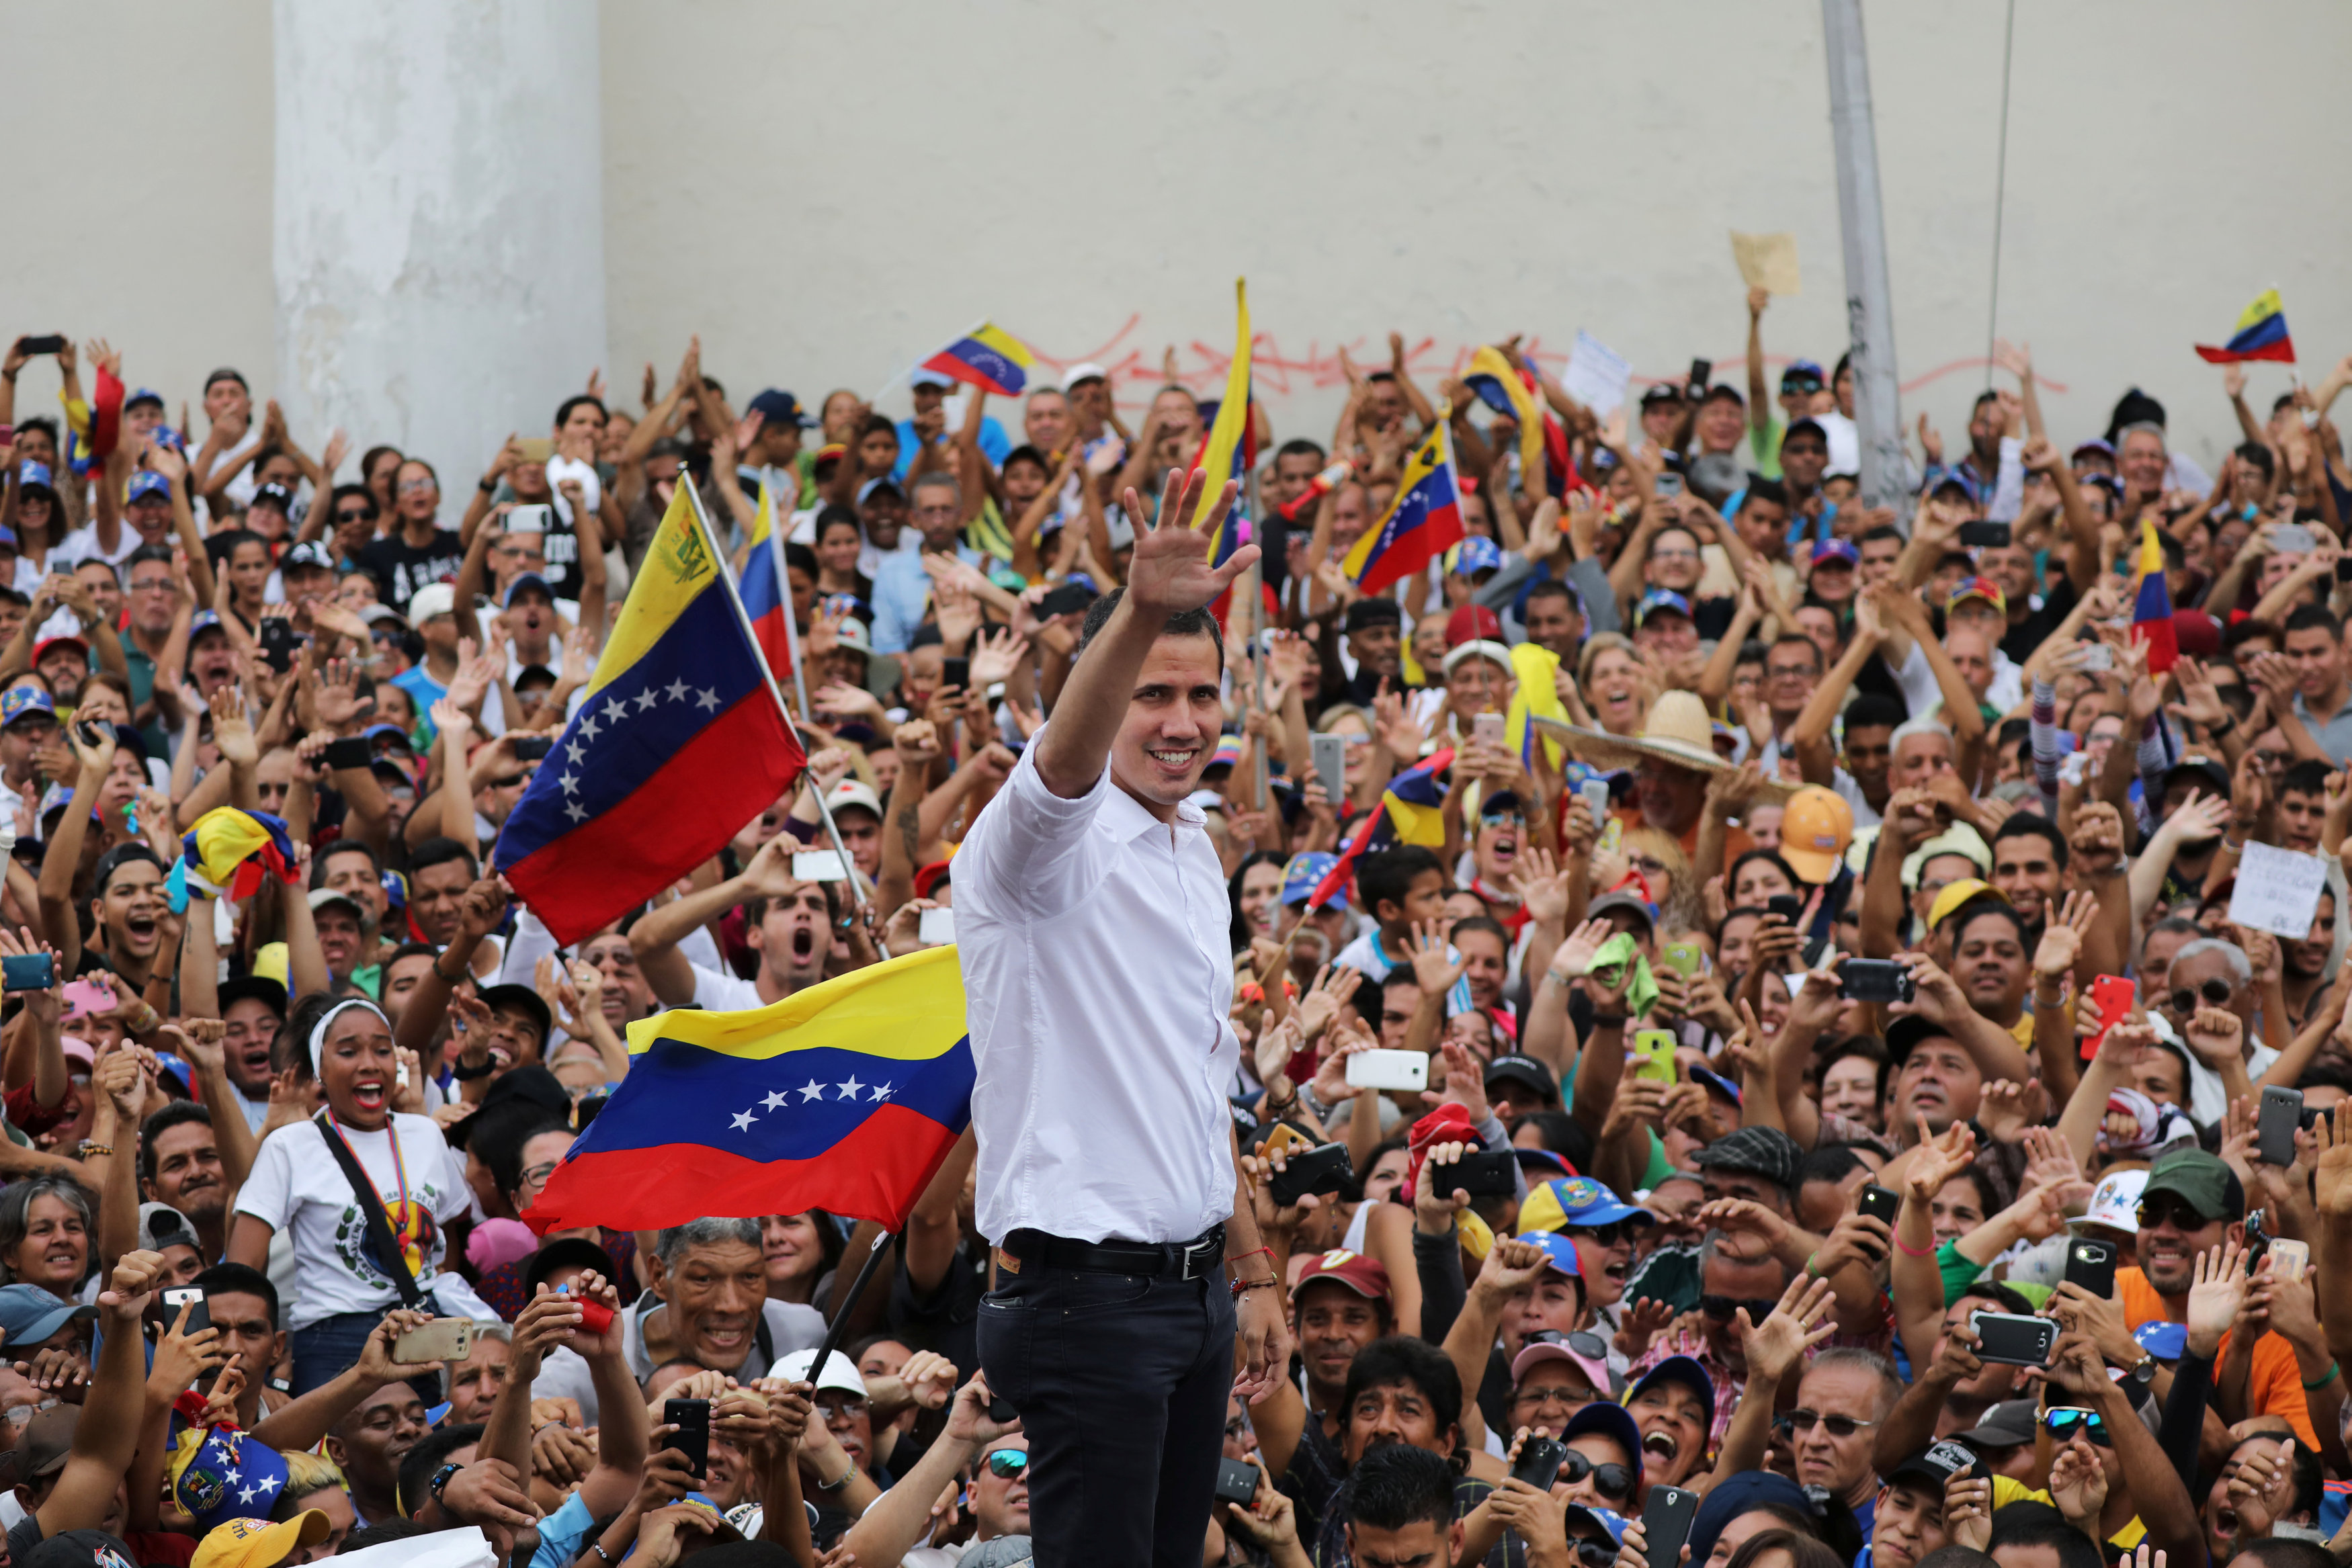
x=1766 y=261
x=2277 y=891
x=1596 y=375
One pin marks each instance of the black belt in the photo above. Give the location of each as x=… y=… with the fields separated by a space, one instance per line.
x=1194 y=1259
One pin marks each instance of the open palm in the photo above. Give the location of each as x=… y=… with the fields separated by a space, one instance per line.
x=1170 y=571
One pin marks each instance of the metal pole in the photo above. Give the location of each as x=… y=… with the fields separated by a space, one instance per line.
x=837 y=1330
x=784 y=587
x=1869 y=297
x=1254 y=584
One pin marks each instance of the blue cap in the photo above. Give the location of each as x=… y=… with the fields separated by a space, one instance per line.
x=1558 y=1249
x=8 y=535
x=1659 y=598
x=395 y=887
x=781 y=408
x=30 y=1314
x=146 y=482
x=143 y=394
x=1717 y=1082
x=177 y=1066
x=1803 y=369
x=1685 y=1370
x=439 y=1413
x=18 y=701
x=231 y=1476
x=1953 y=479
x=394 y=730
x=2164 y=1340
x=523 y=581
x=2095 y=444
x=929 y=378
x=1613 y=1422
x=1582 y=1201
x=1305 y=872
x=204 y=621
x=1837 y=549
x=1478 y=553
x=35 y=475
x=1612 y=1523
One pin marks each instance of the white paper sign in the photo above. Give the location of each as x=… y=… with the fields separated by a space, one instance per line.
x=1596 y=375
x=2277 y=891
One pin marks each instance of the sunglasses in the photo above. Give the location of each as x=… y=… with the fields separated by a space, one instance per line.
x=1595 y=1553
x=2063 y=1421
x=2163 y=1210
x=1008 y=1464
x=1839 y=1427
x=1720 y=1308
x=2215 y=991
x=353 y=515
x=1610 y=1235
x=1614 y=1482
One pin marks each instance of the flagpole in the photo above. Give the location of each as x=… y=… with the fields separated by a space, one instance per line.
x=743 y=620
x=837 y=1330
x=1259 y=626
x=784 y=590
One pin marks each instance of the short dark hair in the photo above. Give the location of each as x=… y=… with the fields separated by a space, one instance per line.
x=2030 y=1523
x=1883 y=531
x=2280 y=1551
x=2021 y=826
x=1977 y=908
x=343 y=847
x=1951 y=1556
x=1396 y=1484
x=145 y=555
x=1875 y=710
x=176 y=1113
x=1553 y=587
x=379 y=1535
x=439 y=850
x=239 y=1279
x=2309 y=776
x=563 y=410
x=431 y=1452
x=118 y=857
x=799 y=555
x=1300 y=446
x=1798 y=640
x=2317 y=616
x=1405 y=1359
x=1830 y=1162
x=1770 y=490
x=1387 y=875
x=342 y=493
x=1486 y=924
x=1183 y=623
x=836 y=516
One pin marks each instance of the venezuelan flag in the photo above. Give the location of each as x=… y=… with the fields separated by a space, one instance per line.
x=1410 y=810
x=767 y=598
x=2152 y=603
x=988 y=358
x=1229 y=449
x=2260 y=335
x=988 y=534
x=1422 y=522
x=846 y=1096
x=230 y=852
x=1505 y=388
x=679 y=740
x=1536 y=695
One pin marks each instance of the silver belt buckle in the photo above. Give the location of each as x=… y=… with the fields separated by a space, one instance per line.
x=1200 y=1258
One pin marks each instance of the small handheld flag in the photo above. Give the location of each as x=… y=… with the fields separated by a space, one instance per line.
x=988 y=358
x=1422 y=522
x=2152 y=603
x=2260 y=335
x=1410 y=810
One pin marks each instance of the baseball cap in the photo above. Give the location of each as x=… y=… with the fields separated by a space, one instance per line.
x=2006 y=1425
x=1469 y=623
x=1709 y=1078
x=2198 y=1178
x=1982 y=588
x=1365 y=1276
x=41 y=649
x=781 y=408
x=2203 y=770
x=929 y=876
x=376 y=614
x=1953 y=479
x=226 y=1475
x=1610 y=1420
x=161 y=1226
x=1608 y=1521
x=1575 y=1201
x=310 y=553
x=1934 y=1465
x=2095 y=444
x=1685 y=1370
x=522 y=580
x=840 y=1372
x=1228 y=752
x=1816 y=826
x=18 y=702
x=1661 y=599
x=1955 y=893
x=1305 y=872
x=322 y=896
x=2114 y=1203
x=433 y=599
x=1559 y=1251
x=1633 y=902
x=47 y=1439
x=927 y=376
x=202 y=621
x=257 y=1543
x=1661 y=392
x=30 y=1314
x=2164 y=1341
x=32 y=475
x=1838 y=551
x=277 y=496
x=142 y=394
x=855 y=792
x=1478 y=553
x=1550 y=1345
x=1799 y=371
x=78 y=1548
x=146 y=482
x=1083 y=371
x=1765 y=1152
x=1525 y=1071
x=1808 y=426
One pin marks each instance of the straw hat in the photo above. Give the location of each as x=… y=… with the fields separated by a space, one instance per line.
x=1677 y=731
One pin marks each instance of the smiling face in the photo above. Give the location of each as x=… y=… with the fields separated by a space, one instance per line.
x=129 y=911
x=1850 y=1088
x=55 y=1252
x=791 y=1250
x=1333 y=1323
x=1171 y=728
x=714 y=1293
x=1672 y=1422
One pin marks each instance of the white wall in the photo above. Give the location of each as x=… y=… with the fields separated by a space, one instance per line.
x=824 y=193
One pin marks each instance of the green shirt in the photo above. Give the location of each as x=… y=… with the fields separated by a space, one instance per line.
x=1765 y=444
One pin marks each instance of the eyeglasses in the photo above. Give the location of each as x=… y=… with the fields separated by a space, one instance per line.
x=2216 y=992
x=354 y=515
x=1535 y=1397
x=2062 y=1422
x=537 y=1175
x=1839 y=1427
x=2155 y=1212
x=1720 y=1308
x=416 y=487
x=1008 y=1464
x=1595 y=1553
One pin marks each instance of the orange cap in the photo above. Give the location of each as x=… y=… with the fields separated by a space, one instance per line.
x=1815 y=828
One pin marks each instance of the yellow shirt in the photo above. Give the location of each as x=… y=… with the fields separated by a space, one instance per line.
x=2006 y=1491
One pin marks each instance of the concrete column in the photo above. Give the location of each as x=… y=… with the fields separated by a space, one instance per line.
x=439 y=239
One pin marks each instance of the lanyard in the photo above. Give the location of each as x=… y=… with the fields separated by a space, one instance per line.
x=399 y=1168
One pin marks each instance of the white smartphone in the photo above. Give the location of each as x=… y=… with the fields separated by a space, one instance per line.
x=2096 y=656
x=1329 y=755
x=817 y=865
x=1389 y=1070
x=531 y=519
x=1487 y=729
x=938 y=927
x=1595 y=793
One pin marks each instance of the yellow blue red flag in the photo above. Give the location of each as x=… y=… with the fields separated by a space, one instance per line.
x=987 y=357
x=2262 y=334
x=2152 y=603
x=1224 y=455
x=1422 y=523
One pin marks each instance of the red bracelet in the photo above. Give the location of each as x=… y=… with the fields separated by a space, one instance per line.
x=1912 y=1251
x=1238 y=1256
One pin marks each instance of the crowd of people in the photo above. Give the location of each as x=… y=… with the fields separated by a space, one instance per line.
x=1822 y=911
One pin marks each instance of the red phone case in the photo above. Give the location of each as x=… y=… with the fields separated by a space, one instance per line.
x=595 y=1316
x=2116 y=996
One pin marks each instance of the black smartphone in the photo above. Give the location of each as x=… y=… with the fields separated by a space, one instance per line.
x=1787 y=905
x=54 y=343
x=692 y=1439
x=1067 y=600
x=1981 y=533
x=533 y=748
x=1701 y=373
x=1236 y=1482
x=1666 y=1524
x=1875 y=980
x=1486 y=1173
x=27 y=972
x=2275 y=1121
x=2344 y=569
x=2092 y=1264
x=1324 y=1169
x=1879 y=1202
x=277 y=643
x=955 y=673
x=2013 y=1339
x=200 y=1317
x=1538 y=1462
x=348 y=751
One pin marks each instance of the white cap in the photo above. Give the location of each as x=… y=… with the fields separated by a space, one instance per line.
x=1086 y=370
x=840 y=1372
x=433 y=599
x=853 y=791
x=2114 y=1202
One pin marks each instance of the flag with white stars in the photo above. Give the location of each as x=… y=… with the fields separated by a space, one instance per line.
x=845 y=1097
x=678 y=741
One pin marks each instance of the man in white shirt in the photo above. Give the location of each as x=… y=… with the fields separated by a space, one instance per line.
x=1093 y=928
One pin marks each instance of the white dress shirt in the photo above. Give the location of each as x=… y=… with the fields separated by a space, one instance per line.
x=1097 y=965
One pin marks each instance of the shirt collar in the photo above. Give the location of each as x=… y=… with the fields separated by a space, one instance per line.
x=1124 y=815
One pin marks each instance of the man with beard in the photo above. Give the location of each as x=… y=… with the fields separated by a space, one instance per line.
x=181 y=1163
x=789 y=927
x=2028 y=867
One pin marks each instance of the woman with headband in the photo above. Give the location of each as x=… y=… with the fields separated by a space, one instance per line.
x=343 y=1283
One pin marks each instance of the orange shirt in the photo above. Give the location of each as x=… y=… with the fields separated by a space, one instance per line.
x=2277 y=1381
x=1736 y=840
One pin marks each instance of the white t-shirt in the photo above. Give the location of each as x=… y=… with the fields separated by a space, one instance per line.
x=722 y=993
x=297 y=1185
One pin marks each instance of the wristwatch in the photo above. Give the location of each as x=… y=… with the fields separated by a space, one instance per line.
x=2142 y=1372
x=442 y=1476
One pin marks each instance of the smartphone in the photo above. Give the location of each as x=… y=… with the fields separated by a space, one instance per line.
x=1666 y=1524
x=1487 y=729
x=538 y=518
x=2116 y=998
x=937 y=928
x=277 y=643
x=2097 y=659
x=2276 y=1118
x=27 y=972
x=692 y=1439
x=1983 y=534
x=1683 y=957
x=349 y=751
x=2292 y=538
x=1538 y=1462
x=54 y=343
x=1236 y=1482
x=1595 y=795
x=1701 y=373
x=200 y=1318
x=539 y=449
x=2292 y=1258
x=1284 y=1140
x=443 y=1338
x=1668 y=483
x=2092 y=1264
x=817 y=865
x=1875 y=980
x=1787 y=905
x=2344 y=569
x=1321 y=1170
x=1389 y=1070
x=1070 y=598
x=84 y=998
x=533 y=748
x=1878 y=1202
x=1328 y=752
x=1487 y=1172
x=1654 y=1056
x=2013 y=1339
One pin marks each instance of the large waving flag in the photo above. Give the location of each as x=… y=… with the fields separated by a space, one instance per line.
x=1536 y=695
x=1503 y=387
x=767 y=598
x=1410 y=810
x=988 y=358
x=2261 y=334
x=2152 y=603
x=679 y=740
x=1422 y=522
x=846 y=1097
x=1230 y=447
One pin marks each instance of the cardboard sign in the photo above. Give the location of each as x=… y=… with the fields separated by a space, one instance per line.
x=2277 y=891
x=1766 y=261
x=1596 y=375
